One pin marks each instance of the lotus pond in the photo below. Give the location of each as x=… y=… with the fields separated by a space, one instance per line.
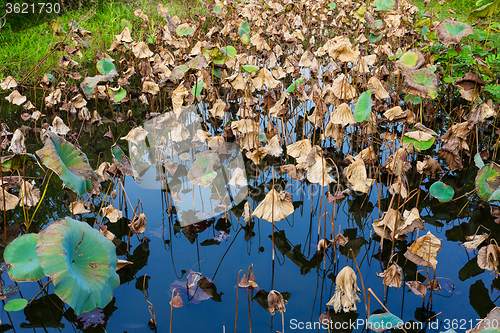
x=270 y=167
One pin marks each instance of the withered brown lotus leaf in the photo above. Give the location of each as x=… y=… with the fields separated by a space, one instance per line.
x=265 y=78
x=421 y=82
x=238 y=178
x=136 y=135
x=459 y=30
x=317 y=173
x=274 y=146
x=473 y=241
x=218 y=109
x=380 y=92
x=247 y=213
x=138 y=224
x=308 y=60
x=341 y=88
x=485 y=324
x=433 y=285
x=16 y=98
x=8 y=83
x=357 y=176
x=340 y=239
x=488 y=258
x=17 y=145
x=273 y=208
x=429 y=166
x=124 y=36
x=7 y=201
x=480 y=113
x=112 y=213
x=387 y=226
x=276 y=302
x=291 y=170
x=141 y=50
x=28 y=194
x=393 y=112
x=78 y=207
x=418 y=288
x=299 y=149
x=122 y=263
x=458 y=130
x=342 y=115
x=243 y=283
x=177 y=302
x=258 y=154
x=346 y=291
x=412 y=222
x=424 y=250
x=397 y=163
x=58 y=126
x=150 y=87
x=393 y=276
x=450 y=153
x=178 y=96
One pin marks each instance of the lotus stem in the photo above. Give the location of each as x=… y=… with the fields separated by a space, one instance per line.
x=39 y=202
x=41 y=290
x=249 y=312
x=362 y=283
x=236 y=318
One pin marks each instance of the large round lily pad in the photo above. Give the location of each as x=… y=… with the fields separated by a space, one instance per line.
x=81 y=263
x=488 y=182
x=452 y=32
x=23 y=260
x=441 y=191
x=69 y=163
x=421 y=82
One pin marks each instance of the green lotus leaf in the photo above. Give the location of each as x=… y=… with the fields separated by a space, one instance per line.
x=419 y=143
x=198 y=62
x=294 y=85
x=123 y=162
x=413 y=99
x=105 y=66
x=117 y=96
x=383 y=5
x=478 y=161
x=230 y=50
x=22 y=259
x=81 y=263
x=213 y=53
x=363 y=107
x=250 y=68
x=441 y=191
x=202 y=170
x=383 y=321
x=244 y=28
x=17 y=161
x=452 y=32
x=89 y=83
x=178 y=72
x=245 y=39
x=411 y=60
x=198 y=87
x=217 y=71
x=374 y=38
x=69 y=163
x=488 y=181
x=184 y=30
x=332 y=6
x=421 y=82
x=487 y=10
x=218 y=9
x=16 y=304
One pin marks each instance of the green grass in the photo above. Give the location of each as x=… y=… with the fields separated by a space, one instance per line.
x=440 y=8
x=20 y=51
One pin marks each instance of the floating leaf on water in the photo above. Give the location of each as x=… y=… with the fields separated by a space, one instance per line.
x=441 y=191
x=383 y=321
x=16 y=304
x=69 y=163
x=81 y=263
x=488 y=258
x=363 y=107
x=452 y=32
x=22 y=258
x=393 y=276
x=488 y=182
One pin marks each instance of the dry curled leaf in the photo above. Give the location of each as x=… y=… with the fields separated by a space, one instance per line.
x=346 y=291
x=393 y=276
x=273 y=208
x=424 y=250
